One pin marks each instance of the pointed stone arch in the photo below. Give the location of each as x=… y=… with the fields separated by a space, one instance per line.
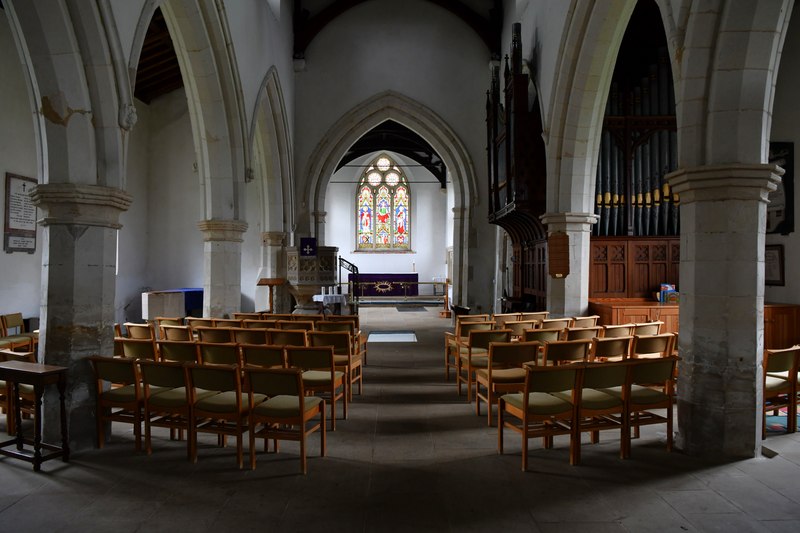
x=391 y=105
x=201 y=38
x=270 y=128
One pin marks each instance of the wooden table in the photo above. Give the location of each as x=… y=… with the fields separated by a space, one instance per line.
x=38 y=375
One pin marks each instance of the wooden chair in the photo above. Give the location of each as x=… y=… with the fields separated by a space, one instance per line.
x=276 y=316
x=247 y=316
x=305 y=325
x=169 y=321
x=287 y=337
x=541 y=336
x=314 y=318
x=474 y=354
x=320 y=375
x=140 y=331
x=564 y=352
x=262 y=355
x=166 y=399
x=504 y=373
x=451 y=342
x=285 y=414
x=138 y=348
x=500 y=319
x=618 y=330
x=13 y=327
x=176 y=333
x=180 y=351
x=345 y=357
x=536 y=412
x=647 y=328
x=519 y=327
x=556 y=323
x=588 y=332
x=610 y=349
x=598 y=407
x=213 y=334
x=213 y=353
x=259 y=324
x=222 y=413
x=651 y=396
x=227 y=323
x=249 y=335
x=358 y=340
x=195 y=322
x=26 y=392
x=651 y=346
x=780 y=385
x=118 y=395
x=589 y=321
x=534 y=315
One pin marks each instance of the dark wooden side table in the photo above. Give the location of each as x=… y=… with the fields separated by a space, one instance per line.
x=38 y=375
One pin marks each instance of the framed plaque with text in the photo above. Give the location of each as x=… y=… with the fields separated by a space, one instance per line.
x=19 y=231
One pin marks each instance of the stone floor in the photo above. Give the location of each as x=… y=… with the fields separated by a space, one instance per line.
x=411 y=457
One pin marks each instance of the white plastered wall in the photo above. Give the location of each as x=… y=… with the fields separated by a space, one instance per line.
x=21 y=272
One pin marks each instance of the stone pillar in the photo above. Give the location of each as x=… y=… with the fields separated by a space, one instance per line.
x=222 y=269
x=723 y=220
x=460 y=278
x=319 y=226
x=272 y=266
x=569 y=296
x=79 y=251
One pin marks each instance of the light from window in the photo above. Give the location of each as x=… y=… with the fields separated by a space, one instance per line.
x=383 y=208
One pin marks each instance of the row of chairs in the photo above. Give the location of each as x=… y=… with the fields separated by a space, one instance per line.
x=13 y=335
x=252 y=348
x=274 y=400
x=499 y=367
x=589 y=397
x=456 y=343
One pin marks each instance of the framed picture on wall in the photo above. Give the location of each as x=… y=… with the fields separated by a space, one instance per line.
x=773 y=265
x=780 y=210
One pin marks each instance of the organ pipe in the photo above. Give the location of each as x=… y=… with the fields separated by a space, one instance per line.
x=638 y=148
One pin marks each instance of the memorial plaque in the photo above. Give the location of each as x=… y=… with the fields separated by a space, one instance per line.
x=19 y=234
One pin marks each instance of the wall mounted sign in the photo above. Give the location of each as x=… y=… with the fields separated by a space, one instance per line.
x=19 y=232
x=774 y=271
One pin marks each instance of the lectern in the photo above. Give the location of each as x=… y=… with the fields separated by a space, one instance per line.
x=271 y=283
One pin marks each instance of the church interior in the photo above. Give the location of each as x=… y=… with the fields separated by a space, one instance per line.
x=413 y=163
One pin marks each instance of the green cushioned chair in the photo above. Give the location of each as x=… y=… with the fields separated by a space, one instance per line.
x=285 y=414
x=119 y=395
x=505 y=373
x=320 y=375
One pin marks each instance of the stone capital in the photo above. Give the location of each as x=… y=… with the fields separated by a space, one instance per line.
x=571 y=222
x=273 y=238
x=87 y=205
x=319 y=216
x=222 y=230
x=725 y=182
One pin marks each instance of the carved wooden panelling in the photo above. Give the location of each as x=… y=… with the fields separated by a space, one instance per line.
x=630 y=267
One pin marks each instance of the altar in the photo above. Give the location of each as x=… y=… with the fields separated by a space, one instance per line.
x=395 y=285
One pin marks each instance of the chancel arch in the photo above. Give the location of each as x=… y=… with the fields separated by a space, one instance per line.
x=422 y=120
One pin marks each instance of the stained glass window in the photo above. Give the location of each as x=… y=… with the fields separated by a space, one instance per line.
x=383 y=208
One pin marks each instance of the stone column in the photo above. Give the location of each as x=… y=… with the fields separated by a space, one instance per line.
x=79 y=251
x=272 y=266
x=569 y=296
x=319 y=227
x=222 y=272
x=723 y=220
x=460 y=278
